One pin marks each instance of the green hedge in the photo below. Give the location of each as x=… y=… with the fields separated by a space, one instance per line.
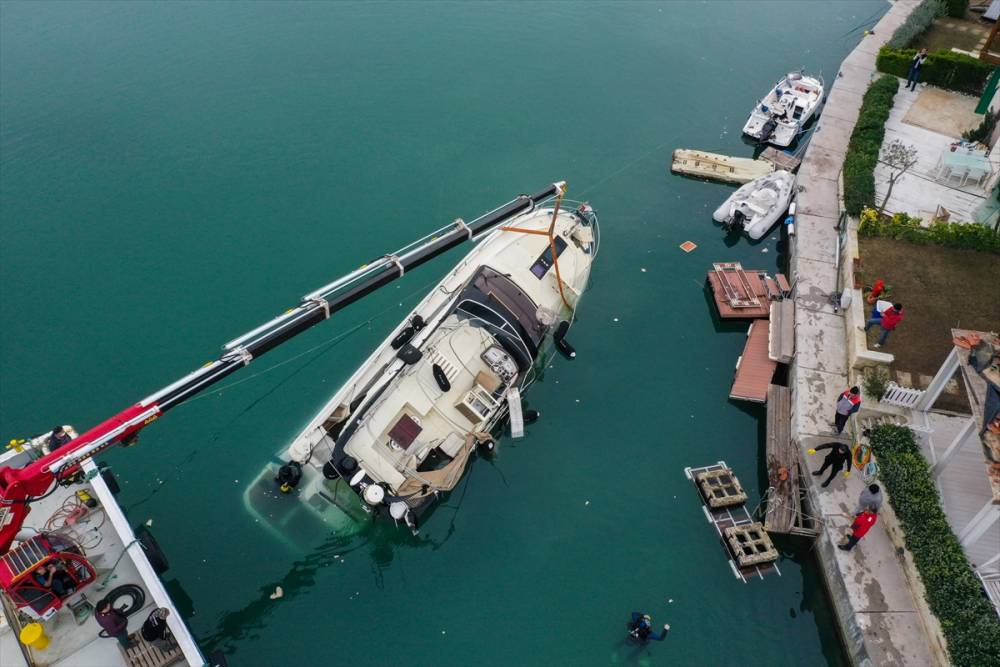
x=917 y=23
x=957 y=8
x=953 y=592
x=968 y=235
x=943 y=68
x=865 y=143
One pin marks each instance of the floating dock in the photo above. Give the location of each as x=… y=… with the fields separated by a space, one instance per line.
x=754 y=368
x=750 y=551
x=785 y=501
x=742 y=294
x=713 y=166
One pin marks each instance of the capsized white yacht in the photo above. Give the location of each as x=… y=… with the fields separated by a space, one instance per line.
x=783 y=113
x=400 y=432
x=758 y=205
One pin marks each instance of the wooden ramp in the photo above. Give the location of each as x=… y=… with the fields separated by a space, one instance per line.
x=781 y=333
x=718 y=167
x=785 y=499
x=781 y=159
x=754 y=369
x=725 y=518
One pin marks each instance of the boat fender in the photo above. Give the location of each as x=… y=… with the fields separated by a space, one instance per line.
x=790 y=225
x=109 y=478
x=217 y=659
x=289 y=476
x=397 y=510
x=373 y=494
x=791 y=208
x=330 y=470
x=409 y=355
x=488 y=445
x=560 y=338
x=441 y=378
x=358 y=477
x=531 y=416
x=417 y=322
x=154 y=554
x=403 y=337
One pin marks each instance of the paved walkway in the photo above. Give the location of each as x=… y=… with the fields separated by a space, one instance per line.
x=876 y=608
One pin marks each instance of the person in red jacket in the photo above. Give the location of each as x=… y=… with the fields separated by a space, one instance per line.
x=862 y=524
x=891 y=317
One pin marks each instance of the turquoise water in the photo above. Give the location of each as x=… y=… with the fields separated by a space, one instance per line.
x=173 y=174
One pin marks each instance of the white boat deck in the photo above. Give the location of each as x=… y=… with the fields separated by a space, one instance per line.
x=103 y=533
x=918 y=193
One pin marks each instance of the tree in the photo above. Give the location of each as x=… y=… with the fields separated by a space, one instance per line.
x=900 y=158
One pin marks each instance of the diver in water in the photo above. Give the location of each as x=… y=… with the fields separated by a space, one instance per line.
x=641 y=628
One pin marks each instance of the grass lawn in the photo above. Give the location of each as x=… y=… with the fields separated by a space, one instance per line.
x=953 y=33
x=939 y=288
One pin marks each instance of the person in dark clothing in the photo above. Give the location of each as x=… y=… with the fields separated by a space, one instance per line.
x=114 y=622
x=155 y=630
x=641 y=628
x=915 y=65
x=55 y=580
x=839 y=457
x=847 y=404
x=58 y=438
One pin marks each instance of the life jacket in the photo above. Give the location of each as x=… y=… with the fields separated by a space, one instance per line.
x=846 y=407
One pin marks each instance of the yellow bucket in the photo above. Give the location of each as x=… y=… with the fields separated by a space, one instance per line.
x=33 y=635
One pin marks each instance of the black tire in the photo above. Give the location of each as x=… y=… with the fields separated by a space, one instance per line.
x=154 y=554
x=109 y=478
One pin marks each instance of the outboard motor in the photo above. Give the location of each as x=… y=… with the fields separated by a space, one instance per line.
x=736 y=222
x=768 y=129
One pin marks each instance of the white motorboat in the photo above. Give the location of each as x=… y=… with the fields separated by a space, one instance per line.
x=398 y=435
x=781 y=116
x=758 y=205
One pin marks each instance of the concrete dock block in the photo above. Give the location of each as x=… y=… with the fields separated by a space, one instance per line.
x=831 y=133
x=818 y=195
x=819 y=342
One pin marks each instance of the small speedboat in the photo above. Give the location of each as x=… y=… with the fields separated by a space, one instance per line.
x=757 y=206
x=780 y=117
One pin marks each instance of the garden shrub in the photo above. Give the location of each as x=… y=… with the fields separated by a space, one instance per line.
x=957 y=8
x=943 y=68
x=917 y=23
x=966 y=235
x=953 y=592
x=982 y=133
x=865 y=143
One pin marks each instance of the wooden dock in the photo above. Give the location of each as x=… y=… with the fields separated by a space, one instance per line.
x=754 y=369
x=781 y=333
x=781 y=159
x=716 y=167
x=744 y=294
x=785 y=499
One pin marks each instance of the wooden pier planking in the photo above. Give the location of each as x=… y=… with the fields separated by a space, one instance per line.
x=781 y=159
x=754 y=369
x=784 y=501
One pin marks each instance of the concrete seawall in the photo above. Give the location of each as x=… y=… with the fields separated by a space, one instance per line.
x=877 y=594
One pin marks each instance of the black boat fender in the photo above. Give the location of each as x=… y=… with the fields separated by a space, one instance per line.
x=109 y=478
x=441 y=377
x=154 y=554
x=560 y=339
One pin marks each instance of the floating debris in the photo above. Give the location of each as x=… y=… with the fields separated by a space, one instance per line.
x=688 y=246
x=278 y=593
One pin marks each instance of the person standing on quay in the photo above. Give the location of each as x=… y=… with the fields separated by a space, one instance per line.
x=839 y=456
x=847 y=404
x=891 y=317
x=915 y=65
x=862 y=524
x=870 y=499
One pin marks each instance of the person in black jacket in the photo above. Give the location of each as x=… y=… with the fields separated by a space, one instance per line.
x=58 y=438
x=915 y=65
x=839 y=457
x=155 y=630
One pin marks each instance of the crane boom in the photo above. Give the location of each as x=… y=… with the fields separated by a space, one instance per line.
x=19 y=485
